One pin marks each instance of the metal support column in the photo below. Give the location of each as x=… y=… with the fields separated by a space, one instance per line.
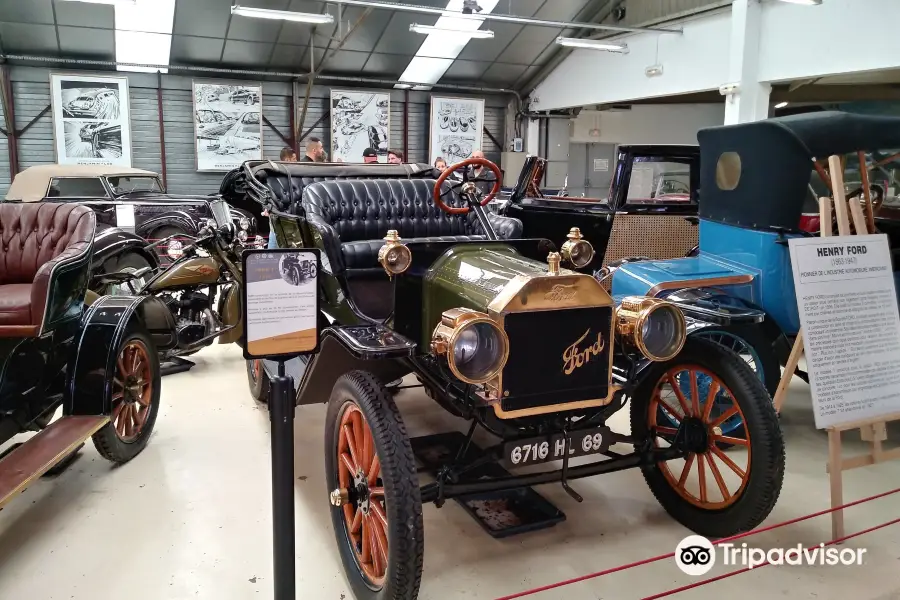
x=9 y=114
x=162 y=130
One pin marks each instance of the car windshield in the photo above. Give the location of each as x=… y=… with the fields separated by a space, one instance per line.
x=126 y=184
x=220 y=212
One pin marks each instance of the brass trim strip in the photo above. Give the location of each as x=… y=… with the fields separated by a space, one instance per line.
x=553 y=408
x=695 y=283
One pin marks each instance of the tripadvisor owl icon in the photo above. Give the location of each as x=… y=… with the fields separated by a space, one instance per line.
x=695 y=555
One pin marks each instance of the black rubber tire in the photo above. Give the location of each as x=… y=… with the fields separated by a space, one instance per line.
x=259 y=387
x=766 y=474
x=132 y=260
x=403 y=503
x=763 y=347
x=108 y=444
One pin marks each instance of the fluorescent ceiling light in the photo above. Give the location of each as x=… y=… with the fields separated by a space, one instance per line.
x=804 y=2
x=112 y=2
x=440 y=49
x=781 y=104
x=282 y=15
x=144 y=34
x=428 y=30
x=592 y=44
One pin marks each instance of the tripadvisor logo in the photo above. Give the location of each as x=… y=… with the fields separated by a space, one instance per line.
x=695 y=555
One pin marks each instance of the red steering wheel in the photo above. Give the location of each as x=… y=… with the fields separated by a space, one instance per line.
x=483 y=162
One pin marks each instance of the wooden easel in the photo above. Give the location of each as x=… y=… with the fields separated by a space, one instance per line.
x=851 y=219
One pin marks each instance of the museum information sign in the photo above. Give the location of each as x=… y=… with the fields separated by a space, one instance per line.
x=851 y=326
x=280 y=302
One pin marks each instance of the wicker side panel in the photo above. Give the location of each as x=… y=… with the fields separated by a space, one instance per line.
x=655 y=236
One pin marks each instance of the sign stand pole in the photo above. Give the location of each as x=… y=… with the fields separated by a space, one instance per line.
x=281 y=412
x=874 y=430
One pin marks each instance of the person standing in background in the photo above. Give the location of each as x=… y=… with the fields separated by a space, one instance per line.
x=369 y=155
x=395 y=157
x=486 y=176
x=288 y=155
x=440 y=164
x=315 y=151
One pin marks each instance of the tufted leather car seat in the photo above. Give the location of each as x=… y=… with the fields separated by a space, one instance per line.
x=36 y=242
x=353 y=217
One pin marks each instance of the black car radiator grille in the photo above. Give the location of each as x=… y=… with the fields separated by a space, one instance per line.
x=556 y=357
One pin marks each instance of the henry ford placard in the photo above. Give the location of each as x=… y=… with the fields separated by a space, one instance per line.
x=281 y=302
x=851 y=328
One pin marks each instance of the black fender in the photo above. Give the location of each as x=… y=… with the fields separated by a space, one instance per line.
x=374 y=349
x=716 y=307
x=176 y=218
x=115 y=242
x=104 y=325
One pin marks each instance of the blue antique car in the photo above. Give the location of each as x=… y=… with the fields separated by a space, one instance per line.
x=756 y=187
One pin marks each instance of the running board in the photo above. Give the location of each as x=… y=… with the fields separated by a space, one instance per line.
x=24 y=465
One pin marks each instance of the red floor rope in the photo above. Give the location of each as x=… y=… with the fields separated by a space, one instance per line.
x=764 y=564
x=647 y=561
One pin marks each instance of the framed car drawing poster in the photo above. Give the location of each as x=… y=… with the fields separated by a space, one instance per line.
x=91 y=120
x=227 y=124
x=359 y=120
x=456 y=128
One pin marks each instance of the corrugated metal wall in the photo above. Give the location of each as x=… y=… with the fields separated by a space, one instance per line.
x=4 y=158
x=31 y=91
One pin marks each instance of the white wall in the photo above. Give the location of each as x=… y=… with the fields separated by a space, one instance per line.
x=695 y=61
x=651 y=124
x=796 y=42
x=800 y=42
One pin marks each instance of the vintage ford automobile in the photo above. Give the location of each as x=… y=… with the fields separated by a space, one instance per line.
x=98 y=363
x=417 y=279
x=755 y=182
x=128 y=198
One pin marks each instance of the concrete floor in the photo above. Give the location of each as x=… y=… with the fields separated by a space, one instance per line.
x=190 y=518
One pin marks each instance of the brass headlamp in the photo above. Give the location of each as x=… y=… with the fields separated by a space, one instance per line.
x=475 y=346
x=577 y=251
x=655 y=327
x=394 y=257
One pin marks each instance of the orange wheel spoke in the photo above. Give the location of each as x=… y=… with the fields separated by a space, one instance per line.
x=724 y=416
x=121 y=364
x=376 y=492
x=348 y=462
x=379 y=512
x=730 y=440
x=366 y=554
x=356 y=523
x=351 y=445
x=731 y=464
x=717 y=476
x=681 y=399
x=710 y=399
x=367 y=452
x=374 y=471
x=144 y=398
x=668 y=407
x=665 y=430
x=702 y=469
x=695 y=395
x=686 y=470
x=358 y=437
x=379 y=550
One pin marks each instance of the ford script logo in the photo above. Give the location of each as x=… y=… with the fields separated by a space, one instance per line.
x=560 y=293
x=574 y=357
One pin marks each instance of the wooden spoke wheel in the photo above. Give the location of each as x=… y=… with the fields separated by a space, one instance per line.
x=373 y=489
x=134 y=401
x=132 y=391
x=725 y=483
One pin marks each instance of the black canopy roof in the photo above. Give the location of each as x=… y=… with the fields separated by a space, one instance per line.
x=775 y=162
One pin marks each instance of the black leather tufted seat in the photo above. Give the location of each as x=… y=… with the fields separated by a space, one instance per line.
x=354 y=216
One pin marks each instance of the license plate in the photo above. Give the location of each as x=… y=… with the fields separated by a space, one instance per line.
x=549 y=448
